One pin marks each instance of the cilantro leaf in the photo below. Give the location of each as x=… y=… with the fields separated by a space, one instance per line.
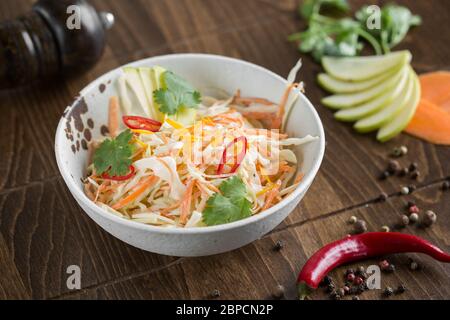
x=175 y=93
x=231 y=205
x=114 y=155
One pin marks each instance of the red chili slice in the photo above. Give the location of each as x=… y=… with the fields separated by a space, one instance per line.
x=239 y=157
x=141 y=123
x=120 y=178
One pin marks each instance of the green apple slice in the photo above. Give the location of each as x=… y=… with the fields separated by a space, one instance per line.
x=401 y=120
x=375 y=121
x=372 y=106
x=335 y=85
x=348 y=100
x=363 y=68
x=133 y=80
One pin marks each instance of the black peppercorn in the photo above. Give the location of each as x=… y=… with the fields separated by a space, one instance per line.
x=393 y=166
x=360 y=226
x=326 y=281
x=335 y=295
x=413 y=166
x=388 y=291
x=390 y=268
x=403 y=172
x=278 y=292
x=412 y=188
x=383 y=197
x=384 y=175
x=446 y=185
x=330 y=288
x=215 y=293
x=278 y=245
x=400 y=289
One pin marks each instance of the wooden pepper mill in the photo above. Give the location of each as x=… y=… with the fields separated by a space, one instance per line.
x=44 y=43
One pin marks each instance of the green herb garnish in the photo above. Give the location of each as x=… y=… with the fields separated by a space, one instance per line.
x=175 y=93
x=114 y=155
x=329 y=36
x=231 y=205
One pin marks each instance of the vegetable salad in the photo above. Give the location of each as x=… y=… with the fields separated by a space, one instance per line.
x=175 y=158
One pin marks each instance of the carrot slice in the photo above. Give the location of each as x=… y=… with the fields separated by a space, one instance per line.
x=140 y=188
x=436 y=88
x=113 y=121
x=430 y=123
x=186 y=203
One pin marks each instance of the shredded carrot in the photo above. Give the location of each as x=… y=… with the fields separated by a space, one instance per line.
x=250 y=100
x=276 y=123
x=140 y=188
x=113 y=121
x=271 y=195
x=186 y=203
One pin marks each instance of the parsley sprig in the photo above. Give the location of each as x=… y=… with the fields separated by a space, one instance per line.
x=175 y=94
x=231 y=205
x=114 y=155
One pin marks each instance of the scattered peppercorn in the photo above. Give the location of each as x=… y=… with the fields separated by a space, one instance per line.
x=331 y=287
x=360 y=271
x=413 y=218
x=404 y=220
x=360 y=226
x=446 y=185
x=383 y=264
x=355 y=298
x=388 y=291
x=335 y=295
x=346 y=289
x=413 y=266
x=383 y=197
x=341 y=292
x=361 y=288
x=404 y=190
x=385 y=229
x=400 y=289
x=358 y=280
x=326 y=281
x=403 y=172
x=384 y=175
x=215 y=293
x=349 y=271
x=412 y=188
x=278 y=292
x=403 y=150
x=414 y=209
x=391 y=268
x=429 y=218
x=278 y=245
x=351 y=277
x=352 y=219
x=413 y=166
x=393 y=166
x=415 y=175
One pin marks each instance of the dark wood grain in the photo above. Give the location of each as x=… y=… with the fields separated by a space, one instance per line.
x=43 y=231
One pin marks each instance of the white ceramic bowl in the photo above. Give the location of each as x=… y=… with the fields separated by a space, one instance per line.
x=86 y=116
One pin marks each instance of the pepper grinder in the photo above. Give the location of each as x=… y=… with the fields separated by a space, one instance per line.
x=57 y=37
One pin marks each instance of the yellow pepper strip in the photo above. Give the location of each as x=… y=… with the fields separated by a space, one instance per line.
x=266 y=189
x=174 y=123
x=142 y=131
x=141 y=143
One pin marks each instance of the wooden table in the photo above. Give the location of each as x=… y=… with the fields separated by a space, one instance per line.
x=43 y=231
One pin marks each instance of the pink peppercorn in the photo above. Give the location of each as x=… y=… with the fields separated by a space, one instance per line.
x=414 y=209
x=351 y=277
x=358 y=281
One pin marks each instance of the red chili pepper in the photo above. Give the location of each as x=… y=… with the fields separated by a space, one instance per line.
x=120 y=178
x=141 y=123
x=359 y=247
x=239 y=157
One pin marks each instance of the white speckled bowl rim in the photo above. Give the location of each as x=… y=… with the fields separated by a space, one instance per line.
x=80 y=195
